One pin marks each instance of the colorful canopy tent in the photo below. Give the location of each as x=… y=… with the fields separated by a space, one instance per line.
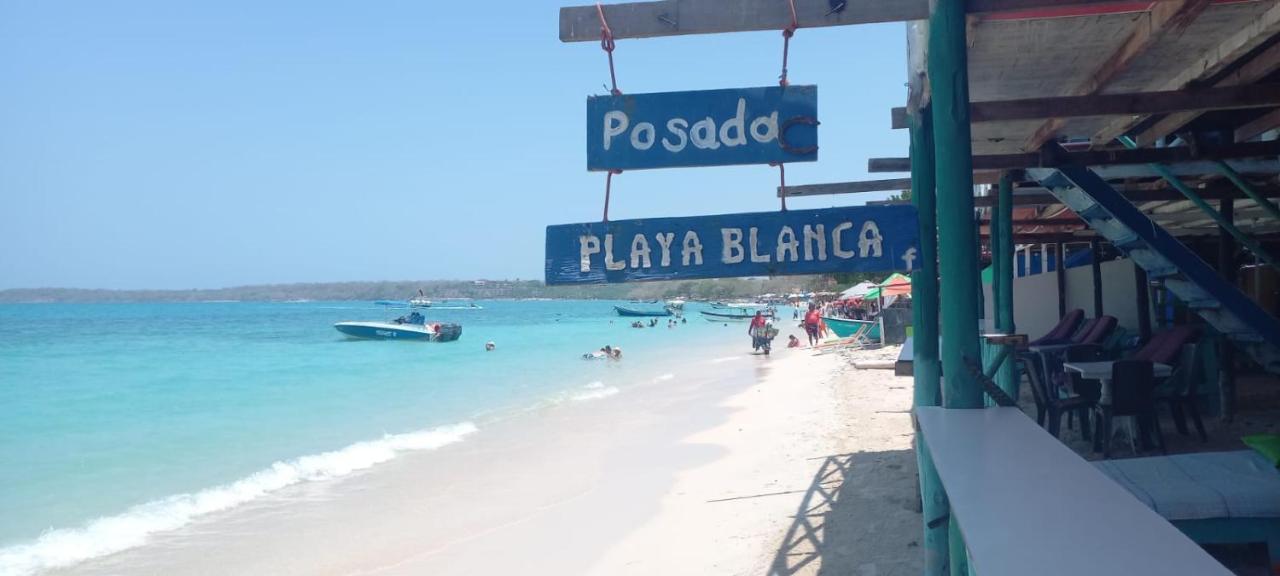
x=858 y=290
x=895 y=285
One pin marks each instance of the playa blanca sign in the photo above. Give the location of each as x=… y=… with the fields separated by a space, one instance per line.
x=703 y=128
x=855 y=239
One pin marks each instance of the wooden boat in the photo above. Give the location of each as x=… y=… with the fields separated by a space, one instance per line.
x=844 y=327
x=648 y=313
x=735 y=316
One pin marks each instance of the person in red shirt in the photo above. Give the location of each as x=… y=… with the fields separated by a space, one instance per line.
x=813 y=324
x=756 y=330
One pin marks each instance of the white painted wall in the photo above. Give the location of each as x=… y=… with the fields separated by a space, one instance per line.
x=1035 y=297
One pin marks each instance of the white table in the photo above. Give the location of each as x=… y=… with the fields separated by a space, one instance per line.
x=1027 y=504
x=1101 y=371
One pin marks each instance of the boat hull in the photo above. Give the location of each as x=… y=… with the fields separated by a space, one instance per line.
x=724 y=317
x=844 y=328
x=633 y=313
x=391 y=331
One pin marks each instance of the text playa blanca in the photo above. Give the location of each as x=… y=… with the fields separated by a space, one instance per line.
x=737 y=245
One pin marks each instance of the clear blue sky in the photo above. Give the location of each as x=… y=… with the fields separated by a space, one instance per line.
x=163 y=144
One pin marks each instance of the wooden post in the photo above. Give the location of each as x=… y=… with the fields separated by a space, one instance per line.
x=1002 y=270
x=1227 y=352
x=1060 y=257
x=957 y=254
x=924 y=310
x=1144 y=302
x=1095 y=262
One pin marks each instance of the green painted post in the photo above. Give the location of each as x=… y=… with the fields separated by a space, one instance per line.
x=1195 y=198
x=1248 y=188
x=957 y=255
x=924 y=310
x=1002 y=260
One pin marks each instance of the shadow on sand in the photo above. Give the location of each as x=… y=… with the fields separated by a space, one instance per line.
x=856 y=518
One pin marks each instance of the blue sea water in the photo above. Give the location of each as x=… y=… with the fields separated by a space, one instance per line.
x=121 y=420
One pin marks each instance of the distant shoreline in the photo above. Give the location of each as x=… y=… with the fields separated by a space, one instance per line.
x=406 y=289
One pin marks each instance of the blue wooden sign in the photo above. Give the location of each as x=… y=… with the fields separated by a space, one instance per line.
x=703 y=128
x=856 y=239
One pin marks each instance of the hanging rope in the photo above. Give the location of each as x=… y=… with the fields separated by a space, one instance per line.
x=608 y=187
x=606 y=43
x=787 y=33
x=782 y=187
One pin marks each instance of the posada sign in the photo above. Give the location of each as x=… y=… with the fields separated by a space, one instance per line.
x=776 y=124
x=854 y=239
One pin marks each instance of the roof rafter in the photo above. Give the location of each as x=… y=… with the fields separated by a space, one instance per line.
x=1147 y=31
x=682 y=17
x=1231 y=49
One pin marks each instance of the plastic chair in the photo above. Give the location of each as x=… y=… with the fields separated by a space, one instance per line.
x=1180 y=392
x=1133 y=387
x=1050 y=406
x=1061 y=333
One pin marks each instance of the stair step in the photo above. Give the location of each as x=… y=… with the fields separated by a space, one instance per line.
x=1128 y=242
x=1161 y=273
x=1245 y=336
x=1094 y=212
x=1207 y=304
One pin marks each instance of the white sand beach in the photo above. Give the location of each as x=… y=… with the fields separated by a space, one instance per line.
x=790 y=464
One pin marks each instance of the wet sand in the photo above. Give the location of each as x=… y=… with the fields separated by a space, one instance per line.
x=790 y=464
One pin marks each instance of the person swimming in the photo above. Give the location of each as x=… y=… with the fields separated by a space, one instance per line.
x=490 y=346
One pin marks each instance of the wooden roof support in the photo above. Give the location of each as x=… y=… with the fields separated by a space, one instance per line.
x=1148 y=30
x=683 y=17
x=889 y=185
x=1234 y=47
x=1226 y=98
x=1256 y=127
x=1046 y=159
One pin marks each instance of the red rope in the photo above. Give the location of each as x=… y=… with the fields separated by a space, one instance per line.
x=608 y=188
x=787 y=33
x=782 y=188
x=607 y=44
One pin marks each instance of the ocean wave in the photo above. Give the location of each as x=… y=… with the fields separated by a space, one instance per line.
x=725 y=359
x=665 y=377
x=594 y=391
x=108 y=535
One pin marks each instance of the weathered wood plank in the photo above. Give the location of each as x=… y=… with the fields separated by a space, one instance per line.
x=683 y=17
x=1148 y=29
x=1225 y=98
x=1255 y=128
x=1231 y=49
x=892 y=184
x=1097 y=157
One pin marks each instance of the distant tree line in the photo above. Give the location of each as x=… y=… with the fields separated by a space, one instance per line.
x=438 y=289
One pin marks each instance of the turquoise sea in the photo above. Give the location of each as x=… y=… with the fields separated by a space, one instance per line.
x=118 y=421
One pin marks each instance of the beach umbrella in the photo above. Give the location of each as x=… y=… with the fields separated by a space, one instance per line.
x=896 y=285
x=859 y=290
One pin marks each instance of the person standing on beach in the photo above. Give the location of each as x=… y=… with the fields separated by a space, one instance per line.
x=756 y=330
x=812 y=324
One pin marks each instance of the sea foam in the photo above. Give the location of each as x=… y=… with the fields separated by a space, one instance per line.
x=108 y=535
x=595 y=391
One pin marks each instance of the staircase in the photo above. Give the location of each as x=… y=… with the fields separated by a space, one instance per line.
x=1165 y=258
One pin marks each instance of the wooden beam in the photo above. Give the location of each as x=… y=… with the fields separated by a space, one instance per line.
x=1216 y=191
x=683 y=17
x=1236 y=46
x=893 y=184
x=1045 y=159
x=889 y=185
x=1256 y=127
x=1226 y=98
x=1148 y=29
